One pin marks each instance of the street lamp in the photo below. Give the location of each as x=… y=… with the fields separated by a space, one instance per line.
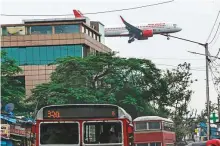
x=207 y=75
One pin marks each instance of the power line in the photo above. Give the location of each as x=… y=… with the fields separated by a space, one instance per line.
x=196 y=69
x=204 y=54
x=214 y=83
x=215 y=40
x=172 y=58
x=100 y=12
x=213 y=27
x=215 y=34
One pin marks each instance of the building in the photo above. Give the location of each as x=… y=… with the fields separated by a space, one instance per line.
x=36 y=43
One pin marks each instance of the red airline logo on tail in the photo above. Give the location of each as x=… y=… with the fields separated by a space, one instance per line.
x=77 y=14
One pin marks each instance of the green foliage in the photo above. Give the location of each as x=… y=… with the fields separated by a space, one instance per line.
x=203 y=116
x=11 y=89
x=178 y=83
x=135 y=84
x=101 y=79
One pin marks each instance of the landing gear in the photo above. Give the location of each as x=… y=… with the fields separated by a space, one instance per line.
x=168 y=37
x=130 y=40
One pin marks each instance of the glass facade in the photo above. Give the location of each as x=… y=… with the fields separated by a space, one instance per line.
x=66 y=29
x=41 y=30
x=41 y=55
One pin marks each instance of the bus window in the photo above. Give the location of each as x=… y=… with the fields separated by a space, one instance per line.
x=155 y=144
x=102 y=132
x=140 y=126
x=59 y=133
x=154 y=125
x=142 y=144
x=168 y=126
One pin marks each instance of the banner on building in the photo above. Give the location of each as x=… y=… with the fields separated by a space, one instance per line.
x=17 y=30
x=5 y=131
x=18 y=130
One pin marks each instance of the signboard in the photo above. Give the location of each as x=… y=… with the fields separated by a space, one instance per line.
x=17 y=130
x=5 y=131
x=82 y=111
x=214 y=118
x=17 y=30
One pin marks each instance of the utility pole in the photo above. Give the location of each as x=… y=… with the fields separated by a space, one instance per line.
x=207 y=88
x=207 y=76
x=218 y=112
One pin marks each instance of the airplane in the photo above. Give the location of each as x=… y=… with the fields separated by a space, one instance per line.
x=142 y=32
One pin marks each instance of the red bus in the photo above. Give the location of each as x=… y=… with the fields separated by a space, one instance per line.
x=153 y=131
x=83 y=125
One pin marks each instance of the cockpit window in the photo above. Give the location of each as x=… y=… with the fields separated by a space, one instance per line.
x=174 y=25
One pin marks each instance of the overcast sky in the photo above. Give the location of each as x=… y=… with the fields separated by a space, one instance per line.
x=195 y=17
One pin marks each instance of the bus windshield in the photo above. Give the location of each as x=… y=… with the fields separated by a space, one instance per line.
x=59 y=133
x=102 y=132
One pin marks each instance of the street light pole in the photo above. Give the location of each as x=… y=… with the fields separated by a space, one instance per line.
x=207 y=76
x=207 y=89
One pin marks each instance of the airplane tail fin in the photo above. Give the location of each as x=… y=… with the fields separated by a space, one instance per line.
x=122 y=19
x=77 y=14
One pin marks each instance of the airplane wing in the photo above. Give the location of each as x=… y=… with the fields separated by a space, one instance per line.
x=132 y=29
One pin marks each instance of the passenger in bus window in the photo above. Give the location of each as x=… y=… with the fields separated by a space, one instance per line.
x=105 y=135
x=113 y=137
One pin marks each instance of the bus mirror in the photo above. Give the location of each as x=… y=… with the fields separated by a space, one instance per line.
x=130 y=129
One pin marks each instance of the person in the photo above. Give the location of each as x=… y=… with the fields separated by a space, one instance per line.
x=105 y=135
x=113 y=137
x=213 y=142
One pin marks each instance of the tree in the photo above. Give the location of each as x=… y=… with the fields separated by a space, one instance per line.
x=203 y=116
x=135 y=84
x=11 y=88
x=178 y=97
x=101 y=79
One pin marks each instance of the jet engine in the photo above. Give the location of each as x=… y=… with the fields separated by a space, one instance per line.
x=147 y=33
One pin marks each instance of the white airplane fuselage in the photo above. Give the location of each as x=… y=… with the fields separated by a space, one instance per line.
x=158 y=28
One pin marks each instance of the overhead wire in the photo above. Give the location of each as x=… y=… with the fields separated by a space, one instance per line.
x=215 y=34
x=213 y=27
x=212 y=45
x=100 y=12
x=214 y=82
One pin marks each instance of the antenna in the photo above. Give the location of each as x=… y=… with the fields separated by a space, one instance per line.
x=9 y=107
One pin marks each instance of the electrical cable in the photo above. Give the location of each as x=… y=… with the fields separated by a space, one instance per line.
x=212 y=45
x=215 y=34
x=214 y=83
x=213 y=27
x=101 y=12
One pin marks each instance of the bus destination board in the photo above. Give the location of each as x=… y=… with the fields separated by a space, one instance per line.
x=82 y=111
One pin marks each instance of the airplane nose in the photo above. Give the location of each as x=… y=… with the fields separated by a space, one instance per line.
x=179 y=29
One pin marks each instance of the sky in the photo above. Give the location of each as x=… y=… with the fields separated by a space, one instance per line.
x=195 y=17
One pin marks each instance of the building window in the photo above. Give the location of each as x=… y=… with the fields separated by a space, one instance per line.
x=4 y=31
x=94 y=36
x=83 y=29
x=41 y=55
x=41 y=29
x=66 y=29
x=154 y=125
x=87 y=31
